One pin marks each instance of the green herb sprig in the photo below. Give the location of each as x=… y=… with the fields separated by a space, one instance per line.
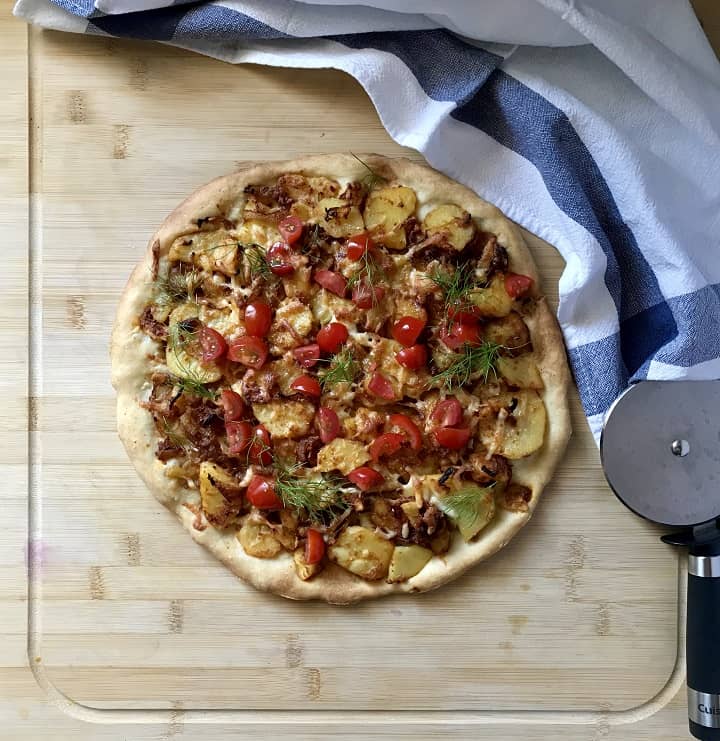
x=372 y=178
x=470 y=360
x=175 y=288
x=322 y=498
x=257 y=262
x=343 y=368
x=457 y=287
x=466 y=505
x=180 y=337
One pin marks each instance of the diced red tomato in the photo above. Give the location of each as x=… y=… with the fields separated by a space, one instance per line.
x=407 y=329
x=358 y=246
x=408 y=428
x=279 y=258
x=261 y=493
x=328 y=424
x=307 y=355
x=232 y=404
x=250 y=351
x=212 y=345
x=412 y=357
x=330 y=281
x=365 y=478
x=258 y=318
x=453 y=438
x=365 y=296
x=307 y=385
x=380 y=386
x=239 y=435
x=447 y=413
x=314 y=547
x=260 y=449
x=517 y=285
x=291 y=229
x=332 y=336
x=457 y=334
x=386 y=444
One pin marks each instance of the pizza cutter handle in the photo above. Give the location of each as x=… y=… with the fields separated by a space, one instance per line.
x=703 y=641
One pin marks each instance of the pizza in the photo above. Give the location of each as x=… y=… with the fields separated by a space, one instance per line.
x=341 y=376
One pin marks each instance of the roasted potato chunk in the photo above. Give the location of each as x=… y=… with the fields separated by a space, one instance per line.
x=386 y=210
x=292 y=320
x=339 y=218
x=257 y=540
x=453 y=222
x=342 y=455
x=470 y=507
x=511 y=333
x=179 y=360
x=521 y=371
x=285 y=418
x=362 y=553
x=492 y=301
x=305 y=570
x=211 y=251
x=213 y=481
x=523 y=430
x=408 y=561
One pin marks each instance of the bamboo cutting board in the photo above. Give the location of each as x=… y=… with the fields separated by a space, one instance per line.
x=573 y=631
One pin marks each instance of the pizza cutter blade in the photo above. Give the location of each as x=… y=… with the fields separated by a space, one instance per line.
x=660 y=450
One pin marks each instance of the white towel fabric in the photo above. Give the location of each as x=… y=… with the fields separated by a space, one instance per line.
x=593 y=123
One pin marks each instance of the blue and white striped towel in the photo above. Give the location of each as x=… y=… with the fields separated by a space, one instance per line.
x=603 y=137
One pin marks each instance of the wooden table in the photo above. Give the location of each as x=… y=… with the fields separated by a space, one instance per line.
x=573 y=641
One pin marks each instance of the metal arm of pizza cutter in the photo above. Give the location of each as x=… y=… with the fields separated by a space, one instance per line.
x=703 y=643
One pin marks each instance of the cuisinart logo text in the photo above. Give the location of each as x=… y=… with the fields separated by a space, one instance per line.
x=708 y=710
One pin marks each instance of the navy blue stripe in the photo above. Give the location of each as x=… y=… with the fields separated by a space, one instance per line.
x=599 y=373
x=697 y=315
x=447 y=68
x=211 y=22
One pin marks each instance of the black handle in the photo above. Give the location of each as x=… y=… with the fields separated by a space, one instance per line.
x=703 y=641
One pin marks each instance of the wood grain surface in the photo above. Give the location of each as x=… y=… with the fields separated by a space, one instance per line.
x=136 y=633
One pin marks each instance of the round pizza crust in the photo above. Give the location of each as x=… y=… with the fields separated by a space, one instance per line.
x=130 y=349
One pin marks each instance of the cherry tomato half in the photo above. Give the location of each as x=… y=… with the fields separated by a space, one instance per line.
x=308 y=386
x=517 y=285
x=408 y=428
x=291 y=229
x=453 y=438
x=330 y=281
x=260 y=448
x=386 y=444
x=307 y=355
x=314 y=547
x=357 y=246
x=447 y=413
x=239 y=435
x=328 y=424
x=407 y=329
x=380 y=386
x=365 y=296
x=332 y=336
x=258 y=318
x=250 y=351
x=365 y=478
x=232 y=404
x=261 y=493
x=212 y=345
x=413 y=357
x=457 y=334
x=279 y=259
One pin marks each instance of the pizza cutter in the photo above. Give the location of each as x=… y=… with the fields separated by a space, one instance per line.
x=660 y=450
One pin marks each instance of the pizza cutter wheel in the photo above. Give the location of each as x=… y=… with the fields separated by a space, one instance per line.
x=660 y=450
